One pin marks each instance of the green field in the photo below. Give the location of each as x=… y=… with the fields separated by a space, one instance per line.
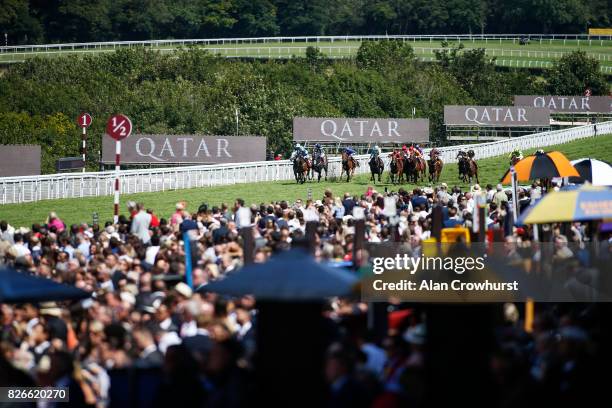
x=81 y=209
x=540 y=54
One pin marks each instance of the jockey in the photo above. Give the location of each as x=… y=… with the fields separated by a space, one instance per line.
x=461 y=154
x=300 y=151
x=418 y=150
x=405 y=151
x=434 y=153
x=350 y=152
x=375 y=152
x=318 y=151
x=516 y=153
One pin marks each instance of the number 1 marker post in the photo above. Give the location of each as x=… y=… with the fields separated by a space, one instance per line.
x=118 y=127
x=84 y=121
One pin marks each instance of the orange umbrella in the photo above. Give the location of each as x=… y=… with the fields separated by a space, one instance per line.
x=541 y=165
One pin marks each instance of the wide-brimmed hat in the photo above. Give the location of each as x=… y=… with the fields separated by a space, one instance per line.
x=50 y=309
x=183 y=289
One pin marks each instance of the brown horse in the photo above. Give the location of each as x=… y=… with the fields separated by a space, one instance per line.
x=415 y=168
x=468 y=168
x=396 y=167
x=348 y=165
x=300 y=169
x=319 y=164
x=435 y=169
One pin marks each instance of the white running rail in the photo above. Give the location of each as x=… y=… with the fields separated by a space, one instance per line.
x=72 y=185
x=580 y=39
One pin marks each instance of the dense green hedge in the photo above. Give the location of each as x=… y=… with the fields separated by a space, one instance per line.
x=193 y=92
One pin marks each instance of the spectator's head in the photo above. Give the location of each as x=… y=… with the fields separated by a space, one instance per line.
x=143 y=337
x=39 y=333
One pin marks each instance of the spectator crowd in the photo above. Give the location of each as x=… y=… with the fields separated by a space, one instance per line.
x=198 y=347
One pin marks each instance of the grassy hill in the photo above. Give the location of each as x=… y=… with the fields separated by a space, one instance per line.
x=81 y=209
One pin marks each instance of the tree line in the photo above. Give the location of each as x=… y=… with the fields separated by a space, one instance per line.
x=192 y=91
x=53 y=21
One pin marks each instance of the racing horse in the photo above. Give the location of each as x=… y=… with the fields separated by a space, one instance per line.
x=348 y=165
x=300 y=169
x=414 y=168
x=396 y=168
x=319 y=163
x=435 y=168
x=468 y=167
x=376 y=167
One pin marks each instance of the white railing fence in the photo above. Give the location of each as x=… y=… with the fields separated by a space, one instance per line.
x=342 y=51
x=72 y=185
x=580 y=39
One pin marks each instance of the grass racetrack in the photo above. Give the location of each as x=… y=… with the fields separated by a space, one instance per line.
x=508 y=52
x=79 y=210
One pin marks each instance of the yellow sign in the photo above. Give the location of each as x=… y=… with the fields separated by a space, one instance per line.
x=600 y=31
x=453 y=235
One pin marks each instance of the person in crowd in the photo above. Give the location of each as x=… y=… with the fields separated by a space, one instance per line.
x=141 y=221
x=53 y=221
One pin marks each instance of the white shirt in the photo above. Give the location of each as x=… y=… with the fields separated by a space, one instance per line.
x=244 y=329
x=21 y=250
x=84 y=247
x=166 y=323
x=293 y=224
x=140 y=226
x=150 y=254
x=189 y=329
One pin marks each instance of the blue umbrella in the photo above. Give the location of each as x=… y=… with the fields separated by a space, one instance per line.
x=19 y=287
x=289 y=276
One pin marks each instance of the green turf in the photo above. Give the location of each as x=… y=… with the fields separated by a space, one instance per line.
x=507 y=52
x=81 y=209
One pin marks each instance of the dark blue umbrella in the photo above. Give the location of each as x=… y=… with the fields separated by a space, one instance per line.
x=19 y=287
x=288 y=276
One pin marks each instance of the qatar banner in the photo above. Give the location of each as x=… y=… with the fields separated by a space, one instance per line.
x=186 y=149
x=19 y=160
x=501 y=116
x=362 y=130
x=566 y=104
